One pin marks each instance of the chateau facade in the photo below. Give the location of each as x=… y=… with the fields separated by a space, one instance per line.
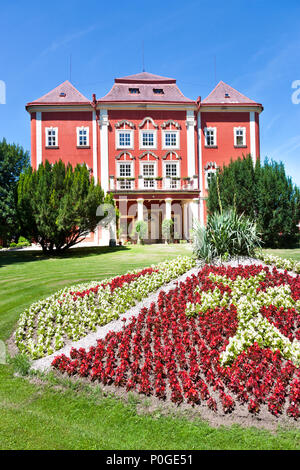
x=148 y=144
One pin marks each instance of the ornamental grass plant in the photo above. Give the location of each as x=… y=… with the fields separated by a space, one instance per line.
x=226 y=234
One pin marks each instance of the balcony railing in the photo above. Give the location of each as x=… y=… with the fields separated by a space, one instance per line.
x=152 y=184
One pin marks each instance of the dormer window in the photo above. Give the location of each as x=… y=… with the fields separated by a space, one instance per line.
x=134 y=91
x=158 y=91
x=227 y=95
x=62 y=94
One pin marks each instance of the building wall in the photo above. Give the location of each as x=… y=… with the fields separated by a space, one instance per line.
x=67 y=150
x=136 y=117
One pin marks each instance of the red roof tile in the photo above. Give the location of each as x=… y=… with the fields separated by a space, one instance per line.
x=65 y=93
x=145 y=82
x=225 y=94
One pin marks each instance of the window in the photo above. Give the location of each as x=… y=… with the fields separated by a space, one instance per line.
x=82 y=136
x=51 y=136
x=125 y=170
x=125 y=184
x=149 y=173
x=134 y=91
x=209 y=174
x=124 y=139
x=239 y=136
x=158 y=91
x=147 y=139
x=171 y=139
x=171 y=169
x=148 y=169
x=210 y=136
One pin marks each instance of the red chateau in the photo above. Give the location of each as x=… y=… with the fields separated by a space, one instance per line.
x=148 y=144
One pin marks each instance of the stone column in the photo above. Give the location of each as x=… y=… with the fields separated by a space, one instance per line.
x=140 y=203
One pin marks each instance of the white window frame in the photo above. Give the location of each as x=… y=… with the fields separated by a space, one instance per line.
x=142 y=164
x=127 y=131
x=177 y=163
x=168 y=131
x=210 y=129
x=154 y=132
x=235 y=129
x=83 y=128
x=209 y=170
x=127 y=163
x=55 y=129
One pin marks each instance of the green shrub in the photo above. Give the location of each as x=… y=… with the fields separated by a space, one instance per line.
x=167 y=229
x=23 y=241
x=226 y=235
x=141 y=228
x=12 y=245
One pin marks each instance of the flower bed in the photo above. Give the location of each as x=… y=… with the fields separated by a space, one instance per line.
x=75 y=311
x=176 y=354
x=280 y=263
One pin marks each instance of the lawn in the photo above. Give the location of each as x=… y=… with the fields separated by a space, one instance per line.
x=51 y=416
x=285 y=253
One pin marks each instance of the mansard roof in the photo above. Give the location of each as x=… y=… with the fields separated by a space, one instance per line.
x=65 y=93
x=148 y=87
x=225 y=94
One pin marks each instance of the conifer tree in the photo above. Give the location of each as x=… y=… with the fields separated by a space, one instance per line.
x=262 y=192
x=57 y=205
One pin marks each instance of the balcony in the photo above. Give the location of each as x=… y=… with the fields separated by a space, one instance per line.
x=153 y=184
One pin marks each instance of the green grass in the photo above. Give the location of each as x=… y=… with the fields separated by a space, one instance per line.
x=48 y=416
x=283 y=253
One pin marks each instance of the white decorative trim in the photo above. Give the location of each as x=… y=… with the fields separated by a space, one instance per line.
x=148 y=119
x=124 y=123
x=147 y=153
x=190 y=124
x=38 y=131
x=170 y=123
x=172 y=152
x=104 y=123
x=95 y=160
x=125 y=152
x=169 y=131
x=252 y=136
x=200 y=164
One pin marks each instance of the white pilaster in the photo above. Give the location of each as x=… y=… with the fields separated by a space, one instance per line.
x=95 y=162
x=140 y=203
x=200 y=153
x=195 y=209
x=104 y=148
x=190 y=124
x=252 y=136
x=168 y=208
x=38 y=131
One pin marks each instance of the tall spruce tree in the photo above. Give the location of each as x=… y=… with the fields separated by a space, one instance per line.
x=262 y=192
x=57 y=205
x=13 y=160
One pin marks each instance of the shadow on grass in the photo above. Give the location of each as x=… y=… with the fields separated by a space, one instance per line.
x=22 y=256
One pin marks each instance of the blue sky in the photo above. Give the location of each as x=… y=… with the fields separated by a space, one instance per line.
x=256 y=45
